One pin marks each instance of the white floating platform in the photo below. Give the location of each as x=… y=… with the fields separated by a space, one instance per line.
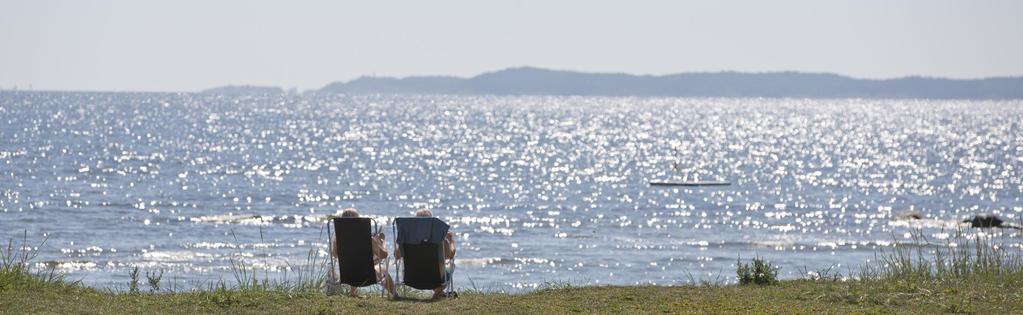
x=688 y=184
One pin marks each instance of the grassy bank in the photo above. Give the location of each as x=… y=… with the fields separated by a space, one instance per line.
x=801 y=296
x=960 y=275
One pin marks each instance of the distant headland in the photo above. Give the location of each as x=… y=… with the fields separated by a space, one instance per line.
x=537 y=81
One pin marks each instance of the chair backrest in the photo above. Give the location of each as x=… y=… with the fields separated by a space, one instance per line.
x=423 y=265
x=355 y=250
x=421 y=240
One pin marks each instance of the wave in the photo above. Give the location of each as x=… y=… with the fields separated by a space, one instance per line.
x=174 y=256
x=65 y=266
x=924 y=223
x=486 y=261
x=480 y=261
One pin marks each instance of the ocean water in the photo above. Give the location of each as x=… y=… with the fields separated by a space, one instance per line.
x=537 y=189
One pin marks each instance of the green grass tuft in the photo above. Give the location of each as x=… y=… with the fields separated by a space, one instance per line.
x=960 y=259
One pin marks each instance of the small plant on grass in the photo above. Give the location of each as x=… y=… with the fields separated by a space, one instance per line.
x=822 y=275
x=553 y=286
x=760 y=272
x=133 y=284
x=154 y=280
x=218 y=294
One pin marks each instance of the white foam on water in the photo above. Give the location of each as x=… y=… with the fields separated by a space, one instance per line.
x=174 y=256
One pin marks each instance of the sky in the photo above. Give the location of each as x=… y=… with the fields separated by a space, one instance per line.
x=190 y=45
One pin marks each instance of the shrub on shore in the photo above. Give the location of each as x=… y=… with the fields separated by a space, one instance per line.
x=759 y=272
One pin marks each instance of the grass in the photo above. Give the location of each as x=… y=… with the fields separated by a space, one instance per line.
x=959 y=259
x=307 y=276
x=973 y=276
x=16 y=272
x=797 y=296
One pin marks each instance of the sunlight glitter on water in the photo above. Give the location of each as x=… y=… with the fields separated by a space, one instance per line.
x=537 y=188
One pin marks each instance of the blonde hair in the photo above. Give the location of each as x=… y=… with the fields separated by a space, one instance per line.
x=350 y=213
x=424 y=213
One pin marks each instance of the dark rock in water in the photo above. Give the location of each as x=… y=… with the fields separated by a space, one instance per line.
x=984 y=221
x=909 y=215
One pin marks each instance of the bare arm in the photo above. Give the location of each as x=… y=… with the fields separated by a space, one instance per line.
x=449 y=246
x=378 y=246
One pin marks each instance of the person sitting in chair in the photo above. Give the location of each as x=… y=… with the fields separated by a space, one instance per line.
x=379 y=254
x=446 y=268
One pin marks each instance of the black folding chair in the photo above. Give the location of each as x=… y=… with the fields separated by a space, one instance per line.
x=353 y=238
x=421 y=240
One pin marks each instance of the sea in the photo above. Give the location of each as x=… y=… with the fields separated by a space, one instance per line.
x=538 y=190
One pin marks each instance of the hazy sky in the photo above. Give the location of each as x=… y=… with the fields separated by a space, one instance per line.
x=192 y=45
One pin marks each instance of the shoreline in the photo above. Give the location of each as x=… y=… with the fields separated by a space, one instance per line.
x=976 y=276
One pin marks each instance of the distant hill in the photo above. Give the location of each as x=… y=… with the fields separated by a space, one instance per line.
x=536 y=81
x=244 y=90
